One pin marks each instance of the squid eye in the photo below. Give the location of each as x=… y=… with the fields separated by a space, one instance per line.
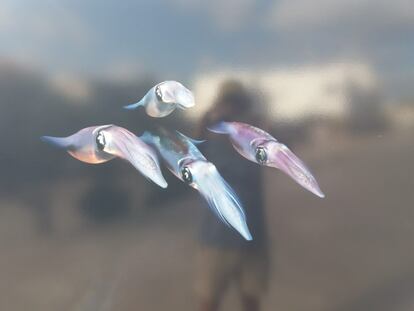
x=261 y=155
x=158 y=93
x=100 y=141
x=186 y=175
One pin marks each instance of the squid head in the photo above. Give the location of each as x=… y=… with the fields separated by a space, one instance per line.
x=204 y=177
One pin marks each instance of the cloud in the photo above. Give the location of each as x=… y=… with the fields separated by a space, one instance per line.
x=43 y=23
x=294 y=93
x=73 y=87
x=124 y=70
x=39 y=32
x=355 y=15
x=227 y=15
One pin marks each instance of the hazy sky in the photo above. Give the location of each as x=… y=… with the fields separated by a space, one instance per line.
x=176 y=38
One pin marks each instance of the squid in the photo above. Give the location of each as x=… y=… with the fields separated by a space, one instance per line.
x=188 y=164
x=164 y=98
x=98 y=144
x=260 y=147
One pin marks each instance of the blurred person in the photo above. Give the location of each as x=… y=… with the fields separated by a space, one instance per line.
x=224 y=257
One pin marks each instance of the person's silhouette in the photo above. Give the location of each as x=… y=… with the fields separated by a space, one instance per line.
x=224 y=256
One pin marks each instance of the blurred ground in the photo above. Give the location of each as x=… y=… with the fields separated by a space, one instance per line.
x=350 y=251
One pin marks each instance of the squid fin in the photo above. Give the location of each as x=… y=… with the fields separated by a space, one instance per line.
x=136 y=105
x=60 y=142
x=194 y=141
x=220 y=128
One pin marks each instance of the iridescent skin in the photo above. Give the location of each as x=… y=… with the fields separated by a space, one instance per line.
x=260 y=147
x=186 y=162
x=164 y=98
x=98 y=144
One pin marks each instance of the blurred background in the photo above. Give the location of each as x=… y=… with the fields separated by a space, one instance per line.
x=331 y=79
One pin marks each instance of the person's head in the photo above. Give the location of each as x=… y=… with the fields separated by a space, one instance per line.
x=232 y=99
